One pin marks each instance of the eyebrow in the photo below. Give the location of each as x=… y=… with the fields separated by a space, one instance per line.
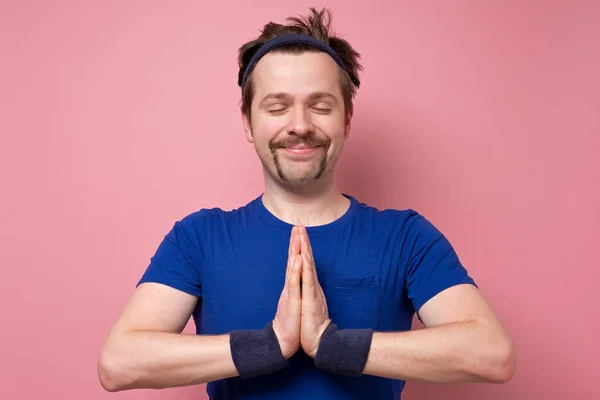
x=286 y=97
x=274 y=96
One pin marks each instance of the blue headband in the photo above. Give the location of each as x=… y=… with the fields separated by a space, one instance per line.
x=289 y=39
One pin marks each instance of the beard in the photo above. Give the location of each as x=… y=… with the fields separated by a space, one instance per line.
x=286 y=172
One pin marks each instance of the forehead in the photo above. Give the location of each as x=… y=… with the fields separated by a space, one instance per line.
x=296 y=74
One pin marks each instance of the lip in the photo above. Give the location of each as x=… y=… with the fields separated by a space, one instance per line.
x=301 y=150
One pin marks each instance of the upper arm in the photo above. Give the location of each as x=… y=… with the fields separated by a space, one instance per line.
x=457 y=303
x=169 y=289
x=156 y=307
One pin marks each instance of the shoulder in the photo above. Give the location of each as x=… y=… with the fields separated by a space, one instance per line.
x=206 y=219
x=405 y=221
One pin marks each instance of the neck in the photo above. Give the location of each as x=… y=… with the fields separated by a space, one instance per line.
x=319 y=203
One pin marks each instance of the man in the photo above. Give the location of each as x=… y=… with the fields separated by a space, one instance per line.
x=304 y=292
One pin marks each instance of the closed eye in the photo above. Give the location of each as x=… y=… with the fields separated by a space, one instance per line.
x=322 y=109
x=277 y=109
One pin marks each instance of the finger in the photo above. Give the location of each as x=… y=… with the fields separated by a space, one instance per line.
x=292 y=245
x=307 y=252
x=296 y=241
x=308 y=265
x=289 y=259
x=294 y=281
x=293 y=249
x=300 y=233
x=305 y=243
x=308 y=277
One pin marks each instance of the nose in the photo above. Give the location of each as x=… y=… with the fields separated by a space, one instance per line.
x=300 y=123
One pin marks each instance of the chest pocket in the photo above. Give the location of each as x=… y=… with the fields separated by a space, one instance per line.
x=353 y=303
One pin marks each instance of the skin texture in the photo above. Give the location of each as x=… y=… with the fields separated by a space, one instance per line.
x=287 y=319
x=315 y=316
x=302 y=315
x=298 y=129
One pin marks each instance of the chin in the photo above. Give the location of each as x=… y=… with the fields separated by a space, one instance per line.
x=296 y=175
x=297 y=179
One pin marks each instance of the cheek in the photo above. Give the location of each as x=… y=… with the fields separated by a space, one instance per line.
x=333 y=123
x=334 y=128
x=267 y=129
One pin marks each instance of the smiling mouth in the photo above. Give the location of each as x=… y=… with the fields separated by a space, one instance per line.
x=301 y=149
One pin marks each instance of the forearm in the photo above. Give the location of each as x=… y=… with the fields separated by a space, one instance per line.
x=451 y=353
x=143 y=359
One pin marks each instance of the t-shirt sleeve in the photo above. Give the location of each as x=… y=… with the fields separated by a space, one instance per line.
x=432 y=264
x=178 y=259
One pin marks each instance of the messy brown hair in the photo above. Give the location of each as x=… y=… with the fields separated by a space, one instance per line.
x=317 y=25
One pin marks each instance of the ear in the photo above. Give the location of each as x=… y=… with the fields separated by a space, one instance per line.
x=247 y=126
x=348 y=122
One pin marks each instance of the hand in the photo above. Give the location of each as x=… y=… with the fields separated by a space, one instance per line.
x=315 y=315
x=287 y=319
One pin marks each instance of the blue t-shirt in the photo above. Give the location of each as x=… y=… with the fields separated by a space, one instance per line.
x=376 y=268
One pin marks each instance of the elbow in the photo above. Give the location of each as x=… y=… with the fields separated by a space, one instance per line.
x=501 y=363
x=112 y=373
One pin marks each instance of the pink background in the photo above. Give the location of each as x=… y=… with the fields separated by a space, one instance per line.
x=117 y=118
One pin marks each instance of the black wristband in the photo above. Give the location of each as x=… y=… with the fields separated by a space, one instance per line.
x=256 y=352
x=344 y=351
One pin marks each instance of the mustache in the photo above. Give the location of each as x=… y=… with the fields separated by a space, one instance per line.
x=309 y=141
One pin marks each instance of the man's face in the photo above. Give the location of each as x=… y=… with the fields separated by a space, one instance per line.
x=298 y=120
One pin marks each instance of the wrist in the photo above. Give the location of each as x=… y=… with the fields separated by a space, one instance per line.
x=256 y=352
x=344 y=351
